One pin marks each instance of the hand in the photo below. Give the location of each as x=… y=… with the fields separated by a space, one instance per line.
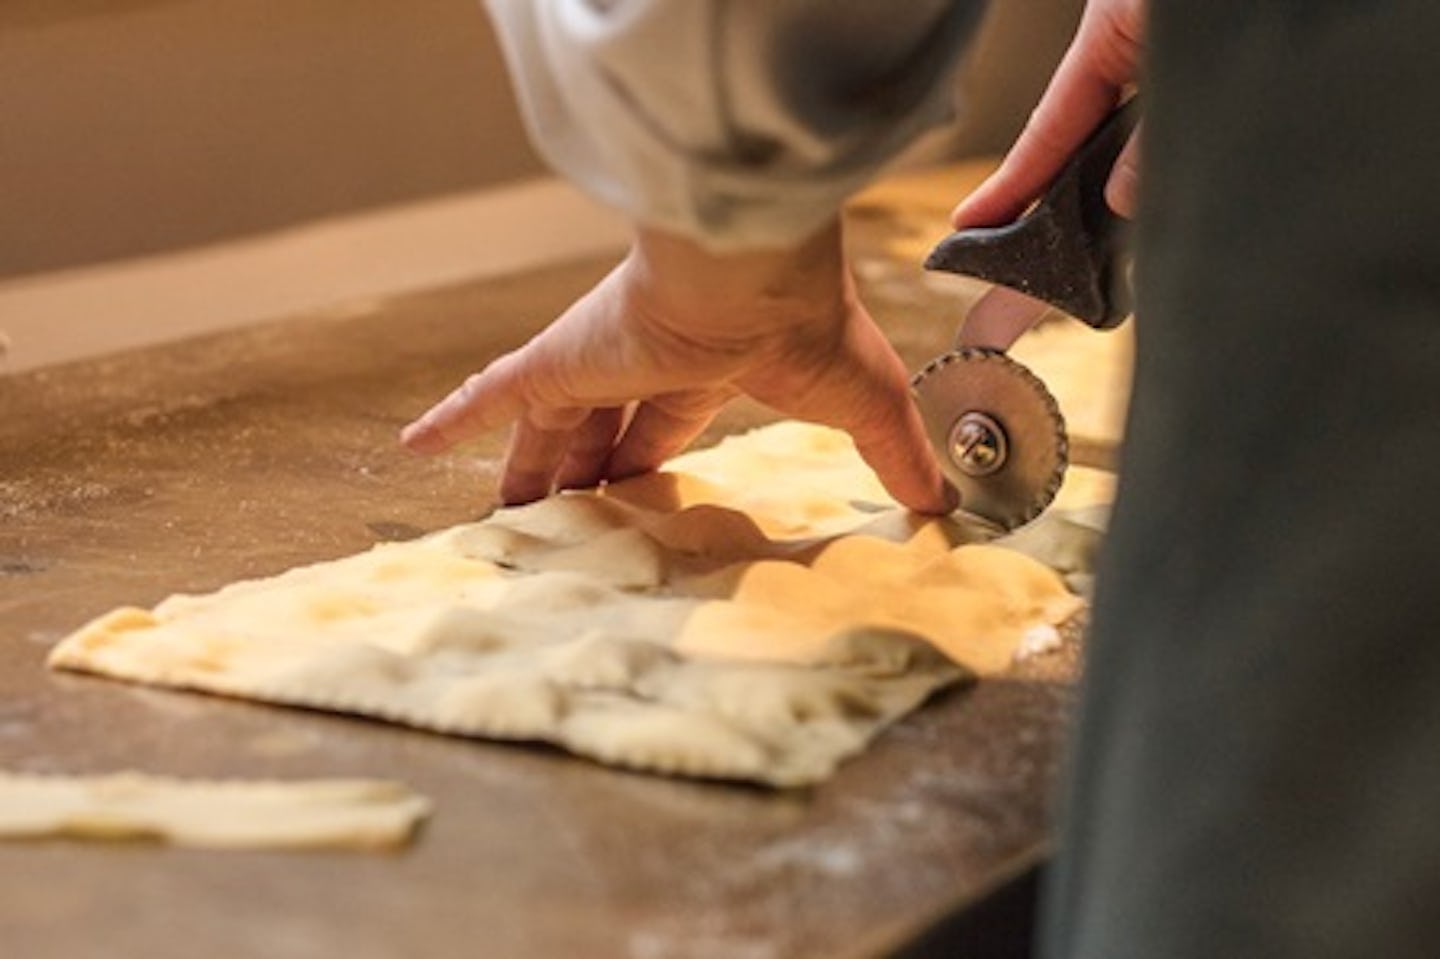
x=638 y=367
x=1101 y=64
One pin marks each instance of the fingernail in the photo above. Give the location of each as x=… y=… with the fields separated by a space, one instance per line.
x=1121 y=190
x=950 y=496
x=419 y=436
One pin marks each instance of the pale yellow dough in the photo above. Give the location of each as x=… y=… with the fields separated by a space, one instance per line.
x=331 y=813
x=758 y=611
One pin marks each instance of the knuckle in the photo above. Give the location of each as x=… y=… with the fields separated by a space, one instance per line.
x=471 y=389
x=556 y=418
x=1041 y=134
x=685 y=406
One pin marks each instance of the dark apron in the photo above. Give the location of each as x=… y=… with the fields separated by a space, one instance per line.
x=1257 y=764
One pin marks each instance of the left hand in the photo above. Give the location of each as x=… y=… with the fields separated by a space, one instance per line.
x=638 y=367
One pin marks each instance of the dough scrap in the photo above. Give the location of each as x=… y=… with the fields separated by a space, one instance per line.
x=1067 y=541
x=759 y=611
x=320 y=813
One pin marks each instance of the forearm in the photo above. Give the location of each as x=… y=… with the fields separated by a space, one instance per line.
x=741 y=125
x=732 y=297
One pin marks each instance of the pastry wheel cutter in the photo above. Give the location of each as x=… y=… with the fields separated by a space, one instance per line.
x=998 y=433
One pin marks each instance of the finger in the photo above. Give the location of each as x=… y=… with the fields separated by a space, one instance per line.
x=1086 y=86
x=662 y=427
x=537 y=447
x=867 y=394
x=1073 y=105
x=590 y=449
x=1122 y=190
x=485 y=402
x=894 y=443
x=889 y=432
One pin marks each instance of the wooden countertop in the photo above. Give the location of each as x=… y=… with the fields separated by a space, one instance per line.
x=187 y=466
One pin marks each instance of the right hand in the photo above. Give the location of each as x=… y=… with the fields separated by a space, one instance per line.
x=1102 y=62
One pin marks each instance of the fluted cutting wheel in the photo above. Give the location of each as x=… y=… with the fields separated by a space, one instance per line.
x=997 y=431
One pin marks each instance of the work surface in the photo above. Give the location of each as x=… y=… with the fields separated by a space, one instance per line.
x=187 y=466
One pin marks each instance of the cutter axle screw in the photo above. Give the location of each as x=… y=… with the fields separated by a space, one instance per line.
x=978 y=445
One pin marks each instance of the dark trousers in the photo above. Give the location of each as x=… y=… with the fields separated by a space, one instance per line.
x=1256 y=770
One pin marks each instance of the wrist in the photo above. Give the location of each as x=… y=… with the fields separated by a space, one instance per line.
x=752 y=292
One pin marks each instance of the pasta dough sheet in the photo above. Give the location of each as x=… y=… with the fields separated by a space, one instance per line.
x=758 y=612
x=334 y=813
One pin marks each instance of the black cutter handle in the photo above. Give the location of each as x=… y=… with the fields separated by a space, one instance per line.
x=1069 y=249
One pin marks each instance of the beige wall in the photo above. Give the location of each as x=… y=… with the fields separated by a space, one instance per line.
x=1020 y=44
x=133 y=127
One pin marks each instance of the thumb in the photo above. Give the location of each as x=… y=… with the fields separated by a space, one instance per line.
x=1122 y=190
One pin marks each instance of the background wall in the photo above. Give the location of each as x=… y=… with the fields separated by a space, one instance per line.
x=135 y=127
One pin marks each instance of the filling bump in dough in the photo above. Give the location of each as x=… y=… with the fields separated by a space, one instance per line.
x=758 y=611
